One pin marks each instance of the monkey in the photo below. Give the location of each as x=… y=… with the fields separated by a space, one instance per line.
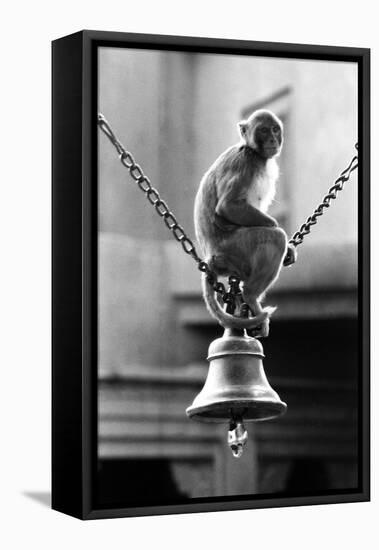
x=236 y=235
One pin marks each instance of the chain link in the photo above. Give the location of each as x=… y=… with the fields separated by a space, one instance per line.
x=298 y=237
x=169 y=218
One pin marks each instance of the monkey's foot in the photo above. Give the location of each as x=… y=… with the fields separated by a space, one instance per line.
x=262 y=331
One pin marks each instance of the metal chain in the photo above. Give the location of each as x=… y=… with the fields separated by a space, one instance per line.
x=169 y=219
x=338 y=185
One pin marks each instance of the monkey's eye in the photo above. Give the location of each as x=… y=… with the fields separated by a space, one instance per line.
x=264 y=130
x=276 y=129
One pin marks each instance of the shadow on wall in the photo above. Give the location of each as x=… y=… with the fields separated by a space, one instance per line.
x=41 y=497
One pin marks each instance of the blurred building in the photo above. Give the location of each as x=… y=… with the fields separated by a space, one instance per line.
x=177 y=112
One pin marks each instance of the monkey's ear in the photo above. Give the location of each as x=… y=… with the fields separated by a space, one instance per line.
x=242 y=126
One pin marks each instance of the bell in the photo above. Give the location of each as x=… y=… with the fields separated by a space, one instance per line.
x=236 y=388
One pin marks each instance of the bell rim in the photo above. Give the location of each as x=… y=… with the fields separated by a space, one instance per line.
x=275 y=408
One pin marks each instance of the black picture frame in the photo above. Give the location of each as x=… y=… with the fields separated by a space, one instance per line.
x=74 y=271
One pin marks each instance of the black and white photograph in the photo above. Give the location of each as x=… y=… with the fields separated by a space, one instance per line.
x=189 y=267
x=229 y=361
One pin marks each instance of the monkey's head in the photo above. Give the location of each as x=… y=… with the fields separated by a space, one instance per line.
x=263 y=132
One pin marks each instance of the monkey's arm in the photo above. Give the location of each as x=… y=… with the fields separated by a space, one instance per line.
x=233 y=207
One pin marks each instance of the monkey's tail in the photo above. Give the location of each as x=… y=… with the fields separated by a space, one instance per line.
x=225 y=319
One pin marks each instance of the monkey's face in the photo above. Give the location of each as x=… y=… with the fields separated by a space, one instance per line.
x=268 y=139
x=263 y=132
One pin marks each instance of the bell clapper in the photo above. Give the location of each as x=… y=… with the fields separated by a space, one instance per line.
x=237 y=436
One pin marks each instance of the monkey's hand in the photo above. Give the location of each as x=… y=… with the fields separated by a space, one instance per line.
x=291 y=256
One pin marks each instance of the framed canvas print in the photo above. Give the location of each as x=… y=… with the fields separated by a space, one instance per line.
x=210 y=274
